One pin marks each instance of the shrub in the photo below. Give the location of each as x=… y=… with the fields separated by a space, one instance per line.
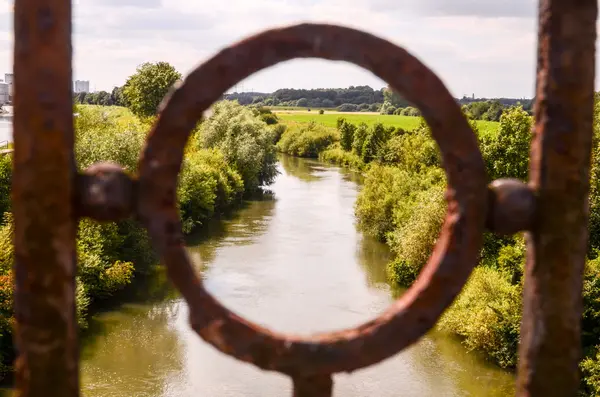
x=269 y=119
x=206 y=185
x=347 y=107
x=590 y=373
x=278 y=131
x=107 y=135
x=307 y=140
x=507 y=153
x=336 y=155
x=360 y=135
x=415 y=151
x=487 y=316
x=245 y=141
x=346 y=135
x=321 y=111
x=5 y=181
x=418 y=222
x=411 y=111
x=385 y=189
x=375 y=138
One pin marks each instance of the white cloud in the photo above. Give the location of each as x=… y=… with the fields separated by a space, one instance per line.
x=486 y=48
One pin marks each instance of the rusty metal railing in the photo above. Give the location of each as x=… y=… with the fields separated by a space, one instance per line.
x=49 y=197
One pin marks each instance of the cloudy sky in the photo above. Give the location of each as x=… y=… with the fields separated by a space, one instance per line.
x=480 y=47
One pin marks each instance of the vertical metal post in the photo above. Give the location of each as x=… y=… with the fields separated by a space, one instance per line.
x=42 y=194
x=550 y=340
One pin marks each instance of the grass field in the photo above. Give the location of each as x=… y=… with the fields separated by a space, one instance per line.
x=329 y=119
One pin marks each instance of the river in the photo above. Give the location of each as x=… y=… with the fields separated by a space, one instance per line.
x=292 y=261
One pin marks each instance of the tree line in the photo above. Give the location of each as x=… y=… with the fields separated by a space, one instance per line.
x=143 y=98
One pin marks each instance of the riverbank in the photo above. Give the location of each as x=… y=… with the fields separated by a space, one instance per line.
x=217 y=174
x=295 y=262
x=402 y=204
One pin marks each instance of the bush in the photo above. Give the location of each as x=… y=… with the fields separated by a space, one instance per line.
x=590 y=373
x=265 y=114
x=360 y=135
x=375 y=138
x=278 y=131
x=244 y=140
x=415 y=151
x=386 y=189
x=207 y=185
x=487 y=315
x=507 y=153
x=5 y=181
x=306 y=140
x=411 y=111
x=418 y=222
x=374 y=107
x=108 y=135
x=347 y=107
x=336 y=155
x=321 y=111
x=346 y=135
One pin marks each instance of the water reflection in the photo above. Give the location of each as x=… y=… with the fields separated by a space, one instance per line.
x=136 y=348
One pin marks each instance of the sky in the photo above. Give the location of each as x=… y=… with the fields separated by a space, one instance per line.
x=485 y=48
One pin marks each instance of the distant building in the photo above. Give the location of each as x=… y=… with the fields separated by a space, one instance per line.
x=81 y=86
x=8 y=79
x=4 y=93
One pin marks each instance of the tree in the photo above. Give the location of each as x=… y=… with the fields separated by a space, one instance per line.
x=394 y=98
x=117 y=96
x=507 y=153
x=144 y=90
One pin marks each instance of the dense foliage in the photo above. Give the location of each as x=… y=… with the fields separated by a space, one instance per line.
x=306 y=140
x=363 y=99
x=245 y=141
x=232 y=153
x=325 y=97
x=145 y=89
x=103 y=98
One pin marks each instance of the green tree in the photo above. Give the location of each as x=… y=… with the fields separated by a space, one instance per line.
x=144 y=90
x=394 y=98
x=346 y=135
x=116 y=96
x=507 y=154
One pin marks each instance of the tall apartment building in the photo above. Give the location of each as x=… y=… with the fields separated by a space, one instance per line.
x=8 y=79
x=81 y=86
x=4 y=93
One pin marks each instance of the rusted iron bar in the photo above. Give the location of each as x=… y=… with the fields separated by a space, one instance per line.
x=42 y=196
x=560 y=159
x=313 y=386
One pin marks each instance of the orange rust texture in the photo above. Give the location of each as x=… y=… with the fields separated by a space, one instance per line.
x=550 y=338
x=42 y=192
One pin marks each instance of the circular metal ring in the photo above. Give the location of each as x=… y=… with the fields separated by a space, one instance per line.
x=456 y=251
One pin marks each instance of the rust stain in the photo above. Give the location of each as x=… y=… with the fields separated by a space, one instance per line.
x=42 y=192
x=560 y=160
